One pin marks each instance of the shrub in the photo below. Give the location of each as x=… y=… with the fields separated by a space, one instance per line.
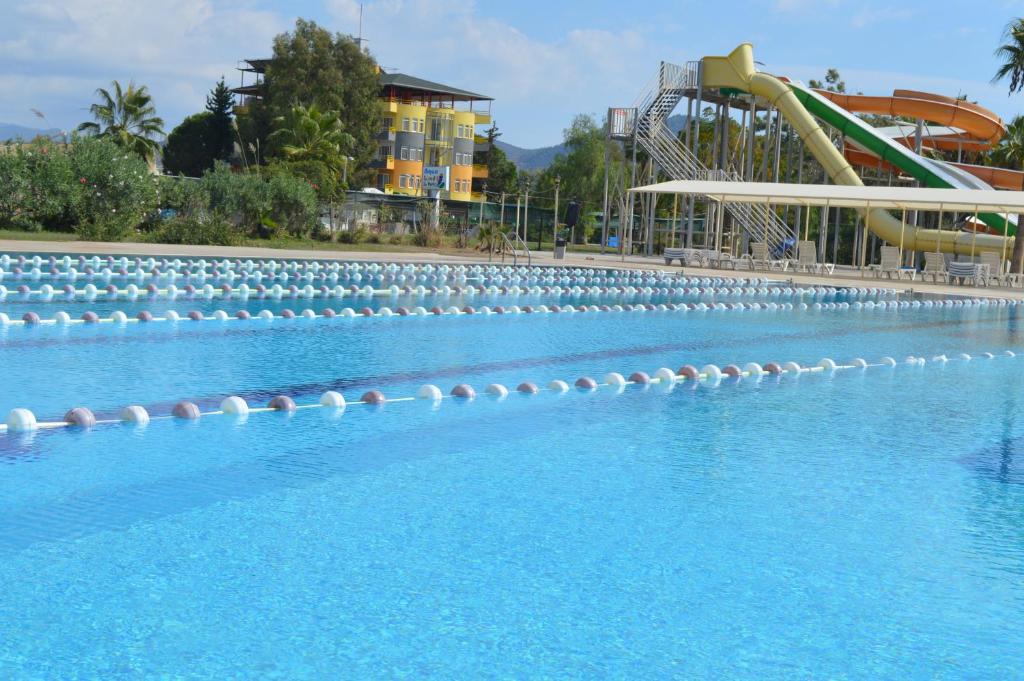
x=243 y=198
x=293 y=205
x=193 y=229
x=115 y=191
x=37 y=187
x=429 y=237
x=354 y=236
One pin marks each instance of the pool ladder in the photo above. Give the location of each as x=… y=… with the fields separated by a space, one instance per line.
x=512 y=247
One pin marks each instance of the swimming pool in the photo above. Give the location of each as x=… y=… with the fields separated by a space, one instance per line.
x=857 y=523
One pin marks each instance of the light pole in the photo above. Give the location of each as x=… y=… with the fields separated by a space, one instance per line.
x=344 y=170
x=526 y=214
x=554 y=223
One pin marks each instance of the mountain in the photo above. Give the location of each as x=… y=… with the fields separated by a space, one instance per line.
x=10 y=131
x=541 y=157
x=530 y=159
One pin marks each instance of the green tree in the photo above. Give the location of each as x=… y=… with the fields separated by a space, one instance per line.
x=220 y=104
x=191 y=147
x=127 y=117
x=1011 y=54
x=502 y=175
x=310 y=65
x=580 y=172
x=833 y=82
x=309 y=134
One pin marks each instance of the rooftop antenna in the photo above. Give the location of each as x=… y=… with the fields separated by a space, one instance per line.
x=359 y=40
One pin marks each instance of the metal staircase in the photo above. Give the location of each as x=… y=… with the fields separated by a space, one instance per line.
x=653 y=135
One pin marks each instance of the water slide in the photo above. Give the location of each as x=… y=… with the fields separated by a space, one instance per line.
x=980 y=128
x=799 y=105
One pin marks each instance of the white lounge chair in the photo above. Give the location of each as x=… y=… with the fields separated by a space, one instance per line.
x=996 y=267
x=760 y=258
x=935 y=266
x=890 y=264
x=807 y=259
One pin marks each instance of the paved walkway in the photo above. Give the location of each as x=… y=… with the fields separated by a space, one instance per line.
x=842 y=277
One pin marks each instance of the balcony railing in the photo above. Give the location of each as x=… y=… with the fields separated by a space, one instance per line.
x=480 y=170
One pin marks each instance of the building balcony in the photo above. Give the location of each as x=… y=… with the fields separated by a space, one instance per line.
x=389 y=106
x=388 y=135
x=482 y=117
x=480 y=170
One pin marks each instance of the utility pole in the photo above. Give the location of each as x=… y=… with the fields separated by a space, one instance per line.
x=554 y=228
x=483 y=199
x=501 y=220
x=518 y=204
x=526 y=213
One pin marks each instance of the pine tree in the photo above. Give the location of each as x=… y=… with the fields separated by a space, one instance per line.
x=220 y=103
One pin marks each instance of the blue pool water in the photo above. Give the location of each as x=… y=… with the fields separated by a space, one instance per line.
x=862 y=525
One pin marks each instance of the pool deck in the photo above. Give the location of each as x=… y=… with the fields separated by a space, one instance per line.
x=841 y=277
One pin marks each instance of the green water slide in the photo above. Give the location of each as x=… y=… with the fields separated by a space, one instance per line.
x=928 y=172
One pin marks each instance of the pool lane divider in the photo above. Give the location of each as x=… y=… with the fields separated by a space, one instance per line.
x=121 y=318
x=47 y=293
x=21 y=420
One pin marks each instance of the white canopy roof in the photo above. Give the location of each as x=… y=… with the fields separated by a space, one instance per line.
x=909 y=198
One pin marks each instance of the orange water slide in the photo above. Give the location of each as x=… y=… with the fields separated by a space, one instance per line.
x=999 y=178
x=977 y=121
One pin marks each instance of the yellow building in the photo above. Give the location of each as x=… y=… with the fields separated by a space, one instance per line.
x=422 y=124
x=429 y=124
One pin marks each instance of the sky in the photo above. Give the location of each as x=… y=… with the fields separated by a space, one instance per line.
x=542 y=61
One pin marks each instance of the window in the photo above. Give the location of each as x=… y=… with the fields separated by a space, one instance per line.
x=386 y=124
x=402 y=180
x=436 y=129
x=383 y=180
x=405 y=124
x=384 y=151
x=421 y=128
x=404 y=155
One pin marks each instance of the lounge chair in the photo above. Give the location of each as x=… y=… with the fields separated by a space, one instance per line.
x=807 y=259
x=968 y=272
x=679 y=254
x=890 y=264
x=935 y=266
x=996 y=267
x=721 y=259
x=761 y=259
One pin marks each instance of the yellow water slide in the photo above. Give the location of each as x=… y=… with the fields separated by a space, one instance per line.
x=737 y=71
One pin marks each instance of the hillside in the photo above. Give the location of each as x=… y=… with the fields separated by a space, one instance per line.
x=541 y=157
x=10 y=131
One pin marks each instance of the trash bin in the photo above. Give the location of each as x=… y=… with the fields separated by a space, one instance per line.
x=560 y=249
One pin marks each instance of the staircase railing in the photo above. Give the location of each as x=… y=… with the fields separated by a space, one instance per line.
x=659 y=99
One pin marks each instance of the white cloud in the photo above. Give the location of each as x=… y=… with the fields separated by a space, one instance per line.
x=177 y=49
x=583 y=69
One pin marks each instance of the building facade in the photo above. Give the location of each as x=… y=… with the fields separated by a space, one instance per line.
x=423 y=125
x=426 y=124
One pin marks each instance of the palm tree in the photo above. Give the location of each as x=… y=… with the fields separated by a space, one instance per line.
x=1011 y=54
x=309 y=134
x=128 y=118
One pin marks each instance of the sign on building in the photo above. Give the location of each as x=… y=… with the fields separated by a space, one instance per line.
x=435 y=177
